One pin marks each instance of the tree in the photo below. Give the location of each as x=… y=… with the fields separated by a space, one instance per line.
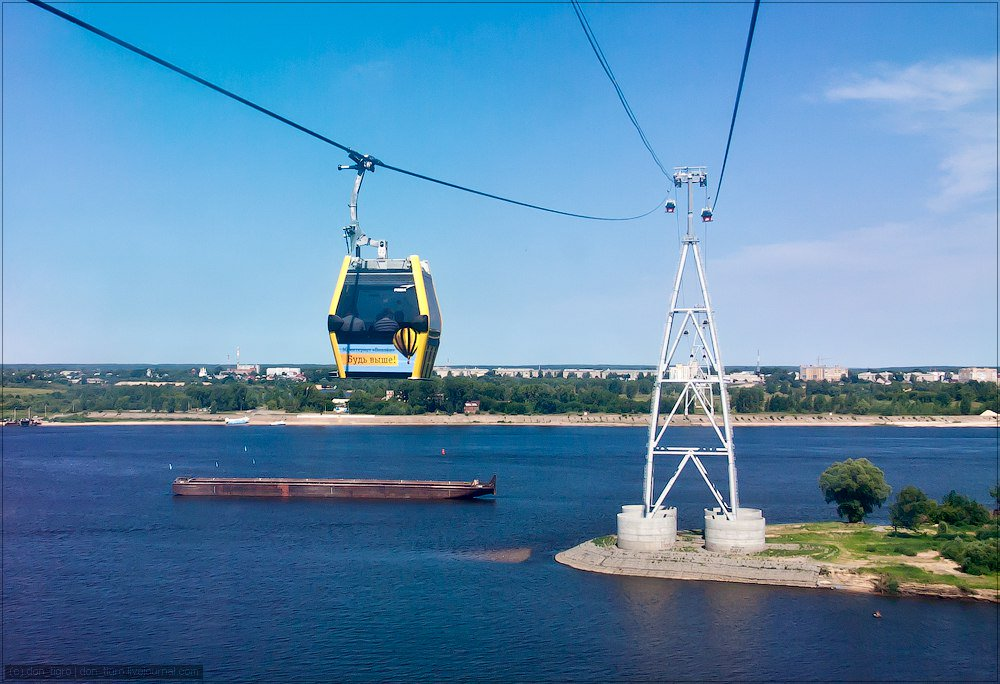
x=857 y=485
x=748 y=400
x=965 y=404
x=912 y=508
x=778 y=403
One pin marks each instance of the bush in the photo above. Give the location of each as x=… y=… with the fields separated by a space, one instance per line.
x=989 y=532
x=886 y=584
x=981 y=558
x=975 y=557
x=958 y=509
x=955 y=550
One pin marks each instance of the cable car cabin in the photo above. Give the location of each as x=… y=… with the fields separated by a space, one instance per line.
x=671 y=206
x=706 y=215
x=384 y=319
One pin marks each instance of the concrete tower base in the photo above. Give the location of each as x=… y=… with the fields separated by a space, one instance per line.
x=744 y=533
x=639 y=533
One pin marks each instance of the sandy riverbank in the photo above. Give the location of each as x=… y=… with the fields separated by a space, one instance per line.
x=600 y=420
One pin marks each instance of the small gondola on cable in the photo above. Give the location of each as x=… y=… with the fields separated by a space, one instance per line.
x=384 y=319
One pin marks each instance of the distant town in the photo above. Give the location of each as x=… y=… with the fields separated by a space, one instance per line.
x=157 y=376
x=69 y=393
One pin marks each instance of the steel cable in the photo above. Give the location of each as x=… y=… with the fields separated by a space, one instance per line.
x=319 y=136
x=596 y=47
x=739 y=92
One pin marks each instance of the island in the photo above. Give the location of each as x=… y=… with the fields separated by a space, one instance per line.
x=853 y=557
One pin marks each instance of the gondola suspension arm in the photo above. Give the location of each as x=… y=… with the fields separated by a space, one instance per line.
x=355 y=238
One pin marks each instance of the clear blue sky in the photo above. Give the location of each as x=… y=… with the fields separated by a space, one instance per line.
x=148 y=219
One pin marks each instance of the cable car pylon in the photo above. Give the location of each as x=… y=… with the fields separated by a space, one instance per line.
x=697 y=385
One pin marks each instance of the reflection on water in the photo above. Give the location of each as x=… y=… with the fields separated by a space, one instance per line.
x=518 y=555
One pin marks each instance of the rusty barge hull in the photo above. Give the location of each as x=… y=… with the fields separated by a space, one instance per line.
x=281 y=487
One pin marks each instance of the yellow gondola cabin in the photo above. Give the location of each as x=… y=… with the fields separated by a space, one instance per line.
x=384 y=319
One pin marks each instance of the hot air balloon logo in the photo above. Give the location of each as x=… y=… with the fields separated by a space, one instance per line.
x=405 y=340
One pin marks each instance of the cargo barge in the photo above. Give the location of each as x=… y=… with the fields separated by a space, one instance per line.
x=281 y=487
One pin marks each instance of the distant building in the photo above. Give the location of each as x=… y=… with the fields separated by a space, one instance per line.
x=745 y=379
x=203 y=373
x=821 y=373
x=446 y=372
x=284 y=372
x=147 y=383
x=930 y=376
x=517 y=372
x=471 y=408
x=247 y=369
x=685 y=371
x=977 y=374
x=96 y=381
x=584 y=373
x=880 y=378
x=389 y=394
x=628 y=373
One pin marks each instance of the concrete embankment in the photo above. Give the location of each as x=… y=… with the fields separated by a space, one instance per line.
x=690 y=561
x=693 y=564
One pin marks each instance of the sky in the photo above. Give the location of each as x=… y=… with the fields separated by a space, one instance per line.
x=147 y=219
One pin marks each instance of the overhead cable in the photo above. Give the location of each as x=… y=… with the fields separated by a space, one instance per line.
x=354 y=154
x=739 y=92
x=596 y=47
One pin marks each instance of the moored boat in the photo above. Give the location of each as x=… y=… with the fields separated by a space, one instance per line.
x=286 y=487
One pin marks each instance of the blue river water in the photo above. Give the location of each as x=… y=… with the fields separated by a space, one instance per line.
x=101 y=564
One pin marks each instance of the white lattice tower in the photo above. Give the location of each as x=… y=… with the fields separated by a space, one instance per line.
x=690 y=364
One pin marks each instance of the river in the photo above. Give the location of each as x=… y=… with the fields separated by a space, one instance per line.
x=101 y=564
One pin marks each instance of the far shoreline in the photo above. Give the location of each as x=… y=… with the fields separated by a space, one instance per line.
x=267 y=418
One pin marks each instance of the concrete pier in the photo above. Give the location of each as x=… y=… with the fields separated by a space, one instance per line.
x=639 y=533
x=690 y=562
x=744 y=533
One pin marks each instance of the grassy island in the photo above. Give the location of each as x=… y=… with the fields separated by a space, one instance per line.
x=889 y=558
x=853 y=557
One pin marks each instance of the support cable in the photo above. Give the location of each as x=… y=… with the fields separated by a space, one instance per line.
x=596 y=47
x=353 y=154
x=739 y=92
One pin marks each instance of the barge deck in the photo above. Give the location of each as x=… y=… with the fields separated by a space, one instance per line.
x=281 y=487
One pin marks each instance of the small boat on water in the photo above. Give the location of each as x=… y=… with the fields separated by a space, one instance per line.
x=238 y=421
x=278 y=423
x=285 y=487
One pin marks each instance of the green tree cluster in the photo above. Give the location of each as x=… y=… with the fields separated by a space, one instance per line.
x=551 y=394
